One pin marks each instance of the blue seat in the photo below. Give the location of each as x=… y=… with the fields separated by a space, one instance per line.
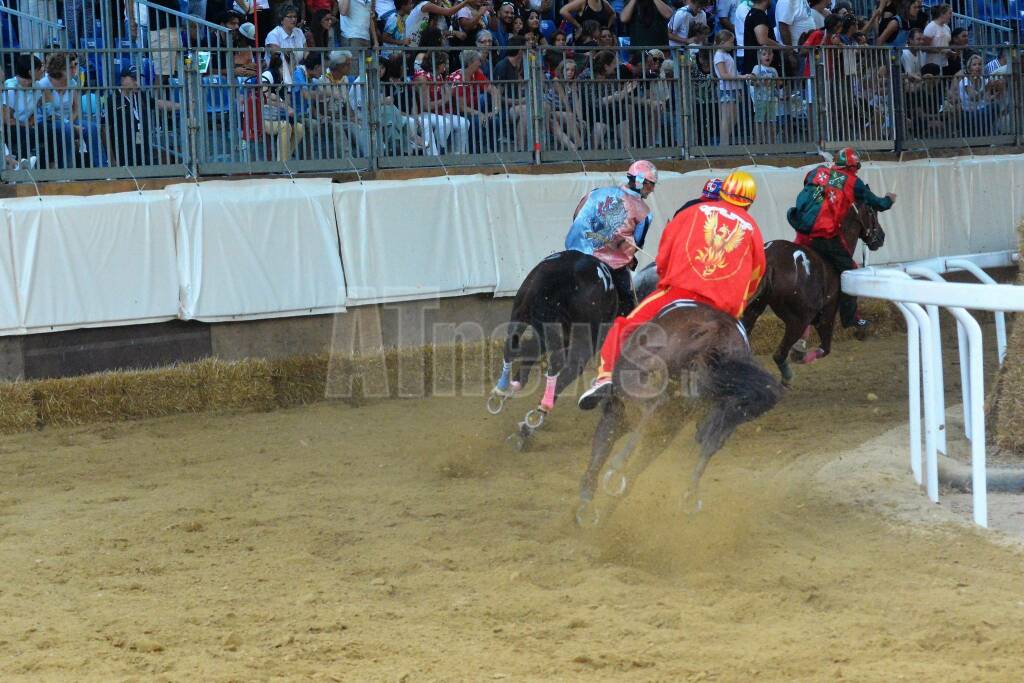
x=216 y=95
x=147 y=74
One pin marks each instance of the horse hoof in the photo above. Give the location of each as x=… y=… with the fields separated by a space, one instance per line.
x=495 y=403
x=812 y=356
x=535 y=418
x=786 y=372
x=519 y=442
x=617 y=489
x=587 y=515
x=690 y=505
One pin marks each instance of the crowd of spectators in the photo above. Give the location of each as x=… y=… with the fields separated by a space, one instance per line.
x=452 y=77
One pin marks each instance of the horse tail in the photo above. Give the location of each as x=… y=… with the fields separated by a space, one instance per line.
x=739 y=390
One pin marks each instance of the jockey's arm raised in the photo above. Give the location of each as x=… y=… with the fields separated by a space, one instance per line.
x=863 y=193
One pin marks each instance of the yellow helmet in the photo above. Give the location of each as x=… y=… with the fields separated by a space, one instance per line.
x=739 y=188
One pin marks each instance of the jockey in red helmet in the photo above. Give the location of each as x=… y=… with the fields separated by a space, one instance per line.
x=711 y=253
x=840 y=188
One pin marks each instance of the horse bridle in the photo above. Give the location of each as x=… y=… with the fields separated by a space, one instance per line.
x=868 y=233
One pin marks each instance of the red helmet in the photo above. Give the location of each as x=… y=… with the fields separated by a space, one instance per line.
x=848 y=158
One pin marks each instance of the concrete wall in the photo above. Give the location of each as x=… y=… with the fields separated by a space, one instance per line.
x=363 y=329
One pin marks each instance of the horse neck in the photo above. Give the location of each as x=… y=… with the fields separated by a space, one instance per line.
x=851 y=228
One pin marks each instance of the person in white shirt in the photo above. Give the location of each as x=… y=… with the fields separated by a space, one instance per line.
x=739 y=20
x=792 y=20
x=723 y=14
x=912 y=59
x=680 y=23
x=357 y=29
x=288 y=40
x=938 y=35
x=819 y=10
x=999 y=66
x=730 y=85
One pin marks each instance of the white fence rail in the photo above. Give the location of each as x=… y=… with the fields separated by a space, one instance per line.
x=919 y=300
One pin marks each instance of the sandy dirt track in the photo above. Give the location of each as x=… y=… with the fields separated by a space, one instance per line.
x=402 y=541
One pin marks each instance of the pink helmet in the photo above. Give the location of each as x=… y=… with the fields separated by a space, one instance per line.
x=643 y=171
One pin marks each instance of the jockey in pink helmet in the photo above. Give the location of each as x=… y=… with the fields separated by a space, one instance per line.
x=610 y=224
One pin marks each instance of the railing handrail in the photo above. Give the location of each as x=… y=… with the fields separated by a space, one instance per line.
x=38 y=20
x=986 y=24
x=182 y=15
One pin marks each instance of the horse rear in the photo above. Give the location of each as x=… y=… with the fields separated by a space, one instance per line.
x=557 y=313
x=802 y=290
x=686 y=338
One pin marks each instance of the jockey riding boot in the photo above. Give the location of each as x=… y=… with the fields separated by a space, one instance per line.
x=598 y=391
x=850 y=318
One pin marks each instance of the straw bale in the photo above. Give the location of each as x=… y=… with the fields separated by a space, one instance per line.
x=1006 y=400
x=113 y=396
x=885 y=318
x=17 y=411
x=299 y=380
x=241 y=385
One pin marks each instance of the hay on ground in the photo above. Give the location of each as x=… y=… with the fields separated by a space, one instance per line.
x=17 y=412
x=1006 y=400
x=299 y=380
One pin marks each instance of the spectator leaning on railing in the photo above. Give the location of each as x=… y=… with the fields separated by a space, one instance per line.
x=757 y=33
x=730 y=85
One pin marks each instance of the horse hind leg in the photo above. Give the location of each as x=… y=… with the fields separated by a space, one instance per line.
x=609 y=428
x=794 y=330
x=739 y=391
x=752 y=312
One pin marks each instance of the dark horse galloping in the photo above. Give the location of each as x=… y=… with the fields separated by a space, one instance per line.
x=688 y=339
x=559 y=310
x=802 y=289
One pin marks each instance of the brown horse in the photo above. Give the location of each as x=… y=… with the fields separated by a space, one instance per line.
x=700 y=347
x=803 y=289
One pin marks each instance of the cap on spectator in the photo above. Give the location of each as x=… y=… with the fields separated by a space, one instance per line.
x=129 y=70
x=248 y=30
x=656 y=54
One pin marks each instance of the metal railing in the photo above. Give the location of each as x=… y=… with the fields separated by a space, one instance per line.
x=202 y=107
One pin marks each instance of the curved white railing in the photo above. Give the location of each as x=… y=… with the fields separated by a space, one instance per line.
x=919 y=301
